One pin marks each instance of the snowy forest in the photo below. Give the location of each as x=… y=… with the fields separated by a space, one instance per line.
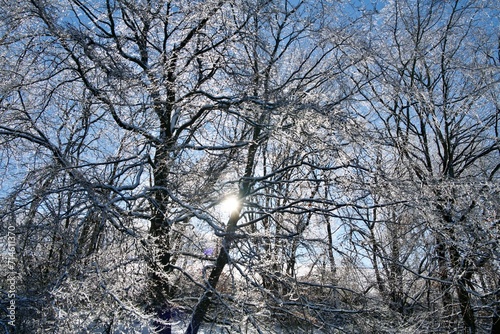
x=250 y=166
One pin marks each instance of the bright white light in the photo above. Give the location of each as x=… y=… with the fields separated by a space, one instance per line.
x=230 y=204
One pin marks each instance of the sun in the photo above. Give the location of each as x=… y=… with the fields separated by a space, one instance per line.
x=230 y=204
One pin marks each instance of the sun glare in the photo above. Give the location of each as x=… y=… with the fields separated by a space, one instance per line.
x=230 y=204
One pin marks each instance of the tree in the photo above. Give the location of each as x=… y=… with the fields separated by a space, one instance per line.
x=140 y=69
x=285 y=82
x=431 y=108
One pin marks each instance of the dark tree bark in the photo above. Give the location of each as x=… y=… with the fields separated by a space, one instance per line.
x=223 y=258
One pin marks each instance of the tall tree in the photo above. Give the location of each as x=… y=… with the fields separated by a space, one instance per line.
x=145 y=70
x=284 y=65
x=431 y=107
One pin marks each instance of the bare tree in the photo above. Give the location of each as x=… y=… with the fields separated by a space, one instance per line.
x=431 y=108
x=285 y=82
x=140 y=71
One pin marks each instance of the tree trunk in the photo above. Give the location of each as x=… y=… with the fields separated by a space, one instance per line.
x=204 y=302
x=331 y=258
x=223 y=257
x=444 y=285
x=396 y=273
x=466 y=308
x=462 y=266
x=462 y=293
x=160 y=263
